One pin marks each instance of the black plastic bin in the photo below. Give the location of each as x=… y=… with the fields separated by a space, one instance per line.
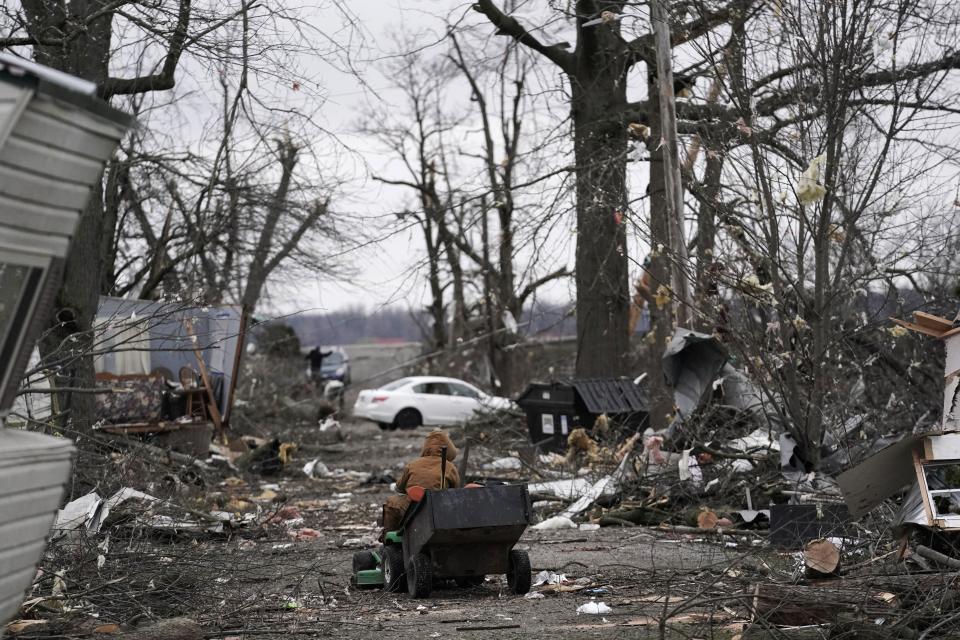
x=551 y=413
x=555 y=409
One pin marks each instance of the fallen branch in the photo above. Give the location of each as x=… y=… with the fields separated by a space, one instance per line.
x=158 y=454
x=936 y=556
x=746 y=533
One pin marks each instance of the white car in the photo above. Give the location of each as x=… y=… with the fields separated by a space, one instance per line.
x=408 y=403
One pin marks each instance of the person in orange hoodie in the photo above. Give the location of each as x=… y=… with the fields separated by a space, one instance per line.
x=424 y=472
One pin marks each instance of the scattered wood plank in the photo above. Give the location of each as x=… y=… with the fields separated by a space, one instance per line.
x=494 y=628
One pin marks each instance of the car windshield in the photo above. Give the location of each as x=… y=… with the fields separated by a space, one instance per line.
x=396 y=384
x=333 y=360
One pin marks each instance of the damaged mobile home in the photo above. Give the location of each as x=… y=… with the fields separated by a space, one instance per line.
x=928 y=462
x=55 y=137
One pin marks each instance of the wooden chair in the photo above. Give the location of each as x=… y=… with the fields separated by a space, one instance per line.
x=190 y=383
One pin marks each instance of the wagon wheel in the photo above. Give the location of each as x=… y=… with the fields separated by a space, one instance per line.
x=364 y=561
x=394 y=576
x=420 y=576
x=518 y=572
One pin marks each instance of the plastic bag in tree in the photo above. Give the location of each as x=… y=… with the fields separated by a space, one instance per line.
x=809 y=189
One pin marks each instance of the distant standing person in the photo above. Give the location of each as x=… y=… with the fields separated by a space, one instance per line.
x=315 y=357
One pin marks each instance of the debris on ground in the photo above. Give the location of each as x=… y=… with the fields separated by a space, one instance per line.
x=594 y=608
x=714 y=523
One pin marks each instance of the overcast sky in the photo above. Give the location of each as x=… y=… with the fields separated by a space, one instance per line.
x=388 y=270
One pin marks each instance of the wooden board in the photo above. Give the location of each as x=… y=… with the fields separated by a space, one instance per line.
x=942 y=447
x=880 y=476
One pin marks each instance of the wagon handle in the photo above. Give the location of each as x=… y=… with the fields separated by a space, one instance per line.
x=443 y=467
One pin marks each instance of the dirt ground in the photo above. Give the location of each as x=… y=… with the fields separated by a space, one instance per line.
x=282 y=568
x=264 y=583
x=629 y=568
x=287 y=572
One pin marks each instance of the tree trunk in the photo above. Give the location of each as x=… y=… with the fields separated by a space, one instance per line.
x=507 y=298
x=458 y=324
x=438 y=330
x=111 y=217
x=87 y=55
x=707 y=299
x=600 y=143
x=661 y=316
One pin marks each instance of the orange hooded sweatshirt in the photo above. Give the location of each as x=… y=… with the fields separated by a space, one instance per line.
x=423 y=472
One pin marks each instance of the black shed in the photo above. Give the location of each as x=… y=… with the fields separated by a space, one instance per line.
x=555 y=409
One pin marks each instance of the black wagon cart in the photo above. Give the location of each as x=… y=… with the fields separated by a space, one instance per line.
x=453 y=534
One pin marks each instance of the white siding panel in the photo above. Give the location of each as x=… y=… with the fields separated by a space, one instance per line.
x=41 y=158
x=42 y=128
x=8 y=110
x=43 y=244
x=90 y=123
x=949 y=420
x=10 y=91
x=13 y=100
x=21 y=556
x=952 y=364
x=42 y=189
x=945 y=447
x=15 y=585
x=29 y=216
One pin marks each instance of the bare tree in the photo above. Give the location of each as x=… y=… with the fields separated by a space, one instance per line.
x=825 y=189
x=473 y=174
x=597 y=71
x=128 y=48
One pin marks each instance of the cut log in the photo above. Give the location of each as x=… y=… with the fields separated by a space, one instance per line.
x=821 y=558
x=707 y=519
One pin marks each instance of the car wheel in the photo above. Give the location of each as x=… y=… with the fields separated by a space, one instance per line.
x=420 y=576
x=394 y=574
x=518 y=572
x=364 y=561
x=408 y=419
x=385 y=426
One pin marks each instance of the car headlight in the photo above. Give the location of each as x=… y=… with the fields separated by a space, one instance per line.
x=341 y=371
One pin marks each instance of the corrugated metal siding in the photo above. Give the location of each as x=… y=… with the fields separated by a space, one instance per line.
x=611 y=395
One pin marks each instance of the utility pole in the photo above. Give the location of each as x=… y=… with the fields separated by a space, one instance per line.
x=673 y=187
